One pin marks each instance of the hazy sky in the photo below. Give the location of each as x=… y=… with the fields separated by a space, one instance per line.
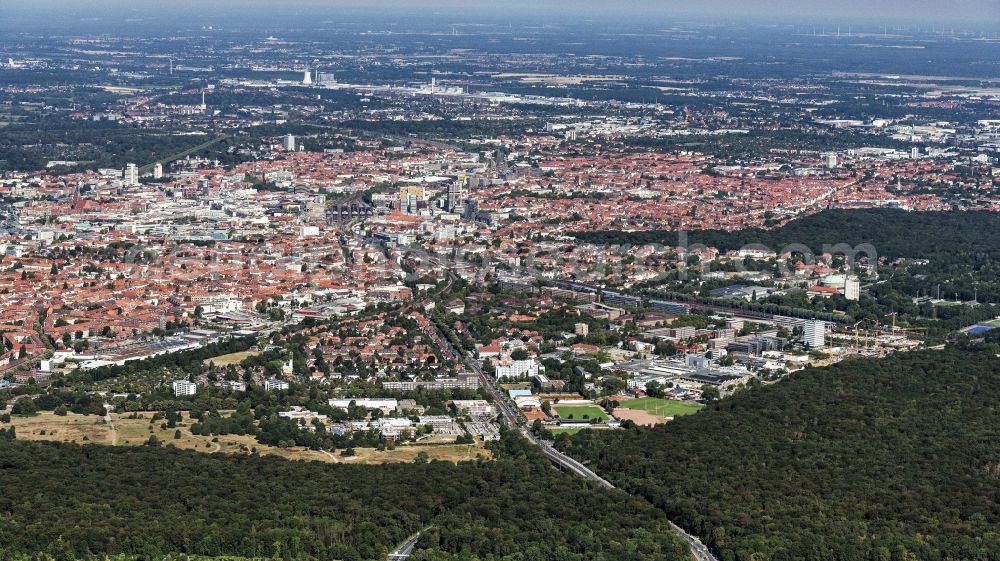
x=983 y=12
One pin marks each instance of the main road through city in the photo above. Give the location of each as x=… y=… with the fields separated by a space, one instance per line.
x=511 y=419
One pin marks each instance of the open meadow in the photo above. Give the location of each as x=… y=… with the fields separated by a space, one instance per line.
x=232 y=358
x=125 y=431
x=661 y=407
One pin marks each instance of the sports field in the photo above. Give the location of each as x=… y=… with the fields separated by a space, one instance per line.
x=581 y=412
x=661 y=407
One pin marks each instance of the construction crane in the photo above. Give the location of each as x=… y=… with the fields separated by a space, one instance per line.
x=893 y=314
x=913 y=329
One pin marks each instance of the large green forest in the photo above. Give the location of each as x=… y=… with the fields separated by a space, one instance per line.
x=894 y=233
x=963 y=249
x=68 y=502
x=869 y=460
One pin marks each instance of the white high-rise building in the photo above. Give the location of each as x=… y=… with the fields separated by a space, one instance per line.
x=131 y=174
x=157 y=170
x=290 y=143
x=831 y=161
x=814 y=334
x=454 y=201
x=852 y=288
x=914 y=152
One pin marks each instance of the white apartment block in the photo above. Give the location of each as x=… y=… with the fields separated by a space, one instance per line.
x=517 y=369
x=184 y=388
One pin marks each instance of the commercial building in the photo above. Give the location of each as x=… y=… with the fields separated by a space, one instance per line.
x=475 y=407
x=755 y=345
x=566 y=294
x=614 y=298
x=672 y=333
x=515 y=283
x=671 y=307
x=598 y=310
x=437 y=422
x=720 y=380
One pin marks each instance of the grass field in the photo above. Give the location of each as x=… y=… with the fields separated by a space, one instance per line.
x=567 y=430
x=661 y=407
x=122 y=431
x=574 y=430
x=80 y=429
x=233 y=358
x=581 y=411
x=992 y=323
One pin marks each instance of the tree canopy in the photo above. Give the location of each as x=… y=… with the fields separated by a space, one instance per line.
x=81 y=502
x=865 y=460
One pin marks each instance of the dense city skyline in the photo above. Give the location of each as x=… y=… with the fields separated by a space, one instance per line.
x=983 y=13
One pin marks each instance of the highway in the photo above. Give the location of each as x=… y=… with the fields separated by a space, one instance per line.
x=404 y=551
x=511 y=419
